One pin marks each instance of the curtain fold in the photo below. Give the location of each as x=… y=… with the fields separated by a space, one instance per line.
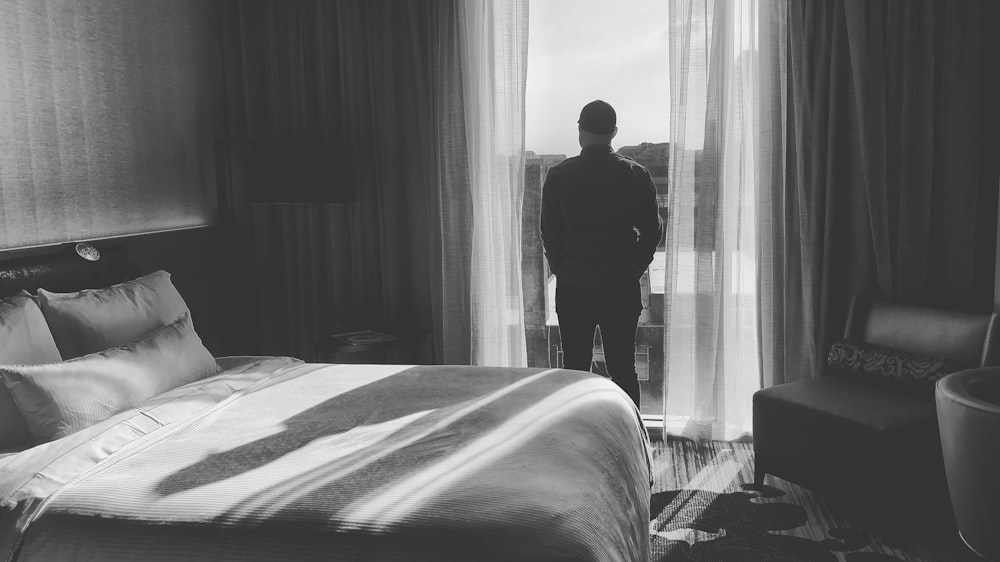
x=881 y=115
x=710 y=309
x=428 y=99
x=289 y=270
x=818 y=150
x=450 y=206
x=494 y=49
x=366 y=73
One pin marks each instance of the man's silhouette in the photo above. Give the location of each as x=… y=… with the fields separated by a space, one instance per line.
x=600 y=227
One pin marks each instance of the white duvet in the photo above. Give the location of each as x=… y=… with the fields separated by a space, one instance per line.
x=274 y=459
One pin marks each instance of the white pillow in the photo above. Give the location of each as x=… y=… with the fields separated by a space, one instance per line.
x=95 y=319
x=25 y=339
x=62 y=398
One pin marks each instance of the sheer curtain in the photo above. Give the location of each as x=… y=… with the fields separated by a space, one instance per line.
x=494 y=50
x=710 y=302
x=855 y=153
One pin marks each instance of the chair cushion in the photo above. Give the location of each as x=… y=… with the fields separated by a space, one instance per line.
x=841 y=432
x=889 y=368
x=959 y=336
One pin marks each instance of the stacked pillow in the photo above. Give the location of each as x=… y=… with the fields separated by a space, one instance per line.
x=25 y=339
x=74 y=359
x=96 y=319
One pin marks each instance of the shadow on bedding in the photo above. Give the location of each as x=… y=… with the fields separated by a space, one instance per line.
x=429 y=411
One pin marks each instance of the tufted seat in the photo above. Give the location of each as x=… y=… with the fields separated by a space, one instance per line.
x=968 y=407
x=864 y=441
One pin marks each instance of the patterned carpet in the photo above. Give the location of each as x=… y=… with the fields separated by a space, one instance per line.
x=707 y=510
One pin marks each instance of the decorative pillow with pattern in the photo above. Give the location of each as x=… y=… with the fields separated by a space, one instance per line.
x=909 y=372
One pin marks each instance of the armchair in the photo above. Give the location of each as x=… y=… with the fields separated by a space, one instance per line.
x=877 y=446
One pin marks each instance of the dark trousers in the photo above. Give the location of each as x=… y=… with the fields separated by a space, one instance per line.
x=616 y=310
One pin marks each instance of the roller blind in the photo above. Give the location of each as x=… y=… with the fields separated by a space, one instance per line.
x=108 y=109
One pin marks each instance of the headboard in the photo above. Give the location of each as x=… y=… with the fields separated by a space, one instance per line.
x=65 y=271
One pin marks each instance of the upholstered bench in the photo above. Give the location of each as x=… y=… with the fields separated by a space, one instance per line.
x=866 y=428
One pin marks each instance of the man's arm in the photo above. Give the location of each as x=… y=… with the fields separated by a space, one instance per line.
x=648 y=225
x=552 y=227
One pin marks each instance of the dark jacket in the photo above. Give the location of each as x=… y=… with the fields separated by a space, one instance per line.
x=600 y=223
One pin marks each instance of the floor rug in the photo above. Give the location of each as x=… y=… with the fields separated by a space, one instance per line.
x=705 y=509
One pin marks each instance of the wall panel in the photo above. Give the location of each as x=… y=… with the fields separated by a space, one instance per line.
x=108 y=109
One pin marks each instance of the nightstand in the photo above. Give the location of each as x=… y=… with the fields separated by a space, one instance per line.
x=399 y=346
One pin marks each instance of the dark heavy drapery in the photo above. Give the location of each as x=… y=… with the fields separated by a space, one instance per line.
x=886 y=181
x=360 y=71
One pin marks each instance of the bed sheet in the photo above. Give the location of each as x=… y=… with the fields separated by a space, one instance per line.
x=278 y=459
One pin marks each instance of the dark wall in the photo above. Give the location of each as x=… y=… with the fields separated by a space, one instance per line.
x=116 y=105
x=191 y=257
x=109 y=110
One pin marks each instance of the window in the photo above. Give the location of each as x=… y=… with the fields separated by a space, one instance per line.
x=581 y=50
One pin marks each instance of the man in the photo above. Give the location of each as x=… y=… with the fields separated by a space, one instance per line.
x=600 y=227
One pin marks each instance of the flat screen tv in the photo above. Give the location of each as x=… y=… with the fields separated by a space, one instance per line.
x=310 y=170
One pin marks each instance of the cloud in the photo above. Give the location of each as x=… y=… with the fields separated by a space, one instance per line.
x=580 y=50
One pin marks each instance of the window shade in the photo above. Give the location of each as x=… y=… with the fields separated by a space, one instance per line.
x=108 y=109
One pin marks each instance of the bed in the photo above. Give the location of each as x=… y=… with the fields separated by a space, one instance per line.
x=150 y=449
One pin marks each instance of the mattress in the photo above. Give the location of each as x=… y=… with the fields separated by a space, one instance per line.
x=275 y=459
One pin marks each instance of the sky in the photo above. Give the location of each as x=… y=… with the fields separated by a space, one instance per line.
x=582 y=50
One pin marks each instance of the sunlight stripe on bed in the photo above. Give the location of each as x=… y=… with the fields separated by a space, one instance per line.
x=394 y=503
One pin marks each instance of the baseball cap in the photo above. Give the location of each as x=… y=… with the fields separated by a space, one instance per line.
x=598 y=117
